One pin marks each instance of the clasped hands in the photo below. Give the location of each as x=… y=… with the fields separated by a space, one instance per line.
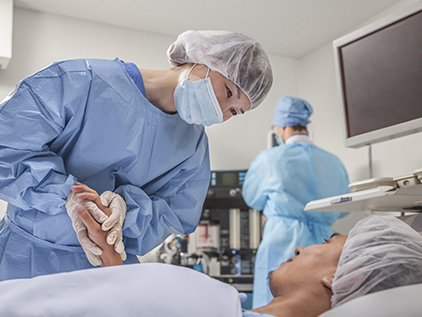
x=108 y=210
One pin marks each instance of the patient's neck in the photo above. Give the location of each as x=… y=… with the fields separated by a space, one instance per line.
x=302 y=305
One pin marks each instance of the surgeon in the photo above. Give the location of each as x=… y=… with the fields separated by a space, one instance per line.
x=281 y=181
x=135 y=137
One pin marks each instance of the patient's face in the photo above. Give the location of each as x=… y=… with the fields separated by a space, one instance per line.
x=308 y=266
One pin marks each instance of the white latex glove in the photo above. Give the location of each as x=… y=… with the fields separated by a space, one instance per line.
x=114 y=223
x=91 y=250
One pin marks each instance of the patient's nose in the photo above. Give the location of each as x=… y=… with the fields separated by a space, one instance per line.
x=298 y=250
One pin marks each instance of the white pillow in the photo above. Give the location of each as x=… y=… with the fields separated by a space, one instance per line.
x=404 y=301
x=148 y=290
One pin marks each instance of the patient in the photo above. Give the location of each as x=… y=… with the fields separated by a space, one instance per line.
x=379 y=253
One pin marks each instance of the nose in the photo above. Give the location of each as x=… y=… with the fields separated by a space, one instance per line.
x=298 y=250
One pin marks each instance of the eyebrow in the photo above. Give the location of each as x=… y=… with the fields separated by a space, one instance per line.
x=335 y=234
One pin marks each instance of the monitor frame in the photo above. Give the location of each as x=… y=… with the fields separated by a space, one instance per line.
x=387 y=133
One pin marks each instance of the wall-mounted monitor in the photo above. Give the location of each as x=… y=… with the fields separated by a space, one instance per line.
x=379 y=78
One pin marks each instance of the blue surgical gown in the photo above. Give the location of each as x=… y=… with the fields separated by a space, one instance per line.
x=280 y=182
x=86 y=121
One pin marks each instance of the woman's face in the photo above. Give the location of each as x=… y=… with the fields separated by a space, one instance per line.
x=232 y=100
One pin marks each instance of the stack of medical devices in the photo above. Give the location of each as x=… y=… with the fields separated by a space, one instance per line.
x=229 y=230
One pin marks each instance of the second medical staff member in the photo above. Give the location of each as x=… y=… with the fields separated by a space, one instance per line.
x=281 y=181
x=138 y=134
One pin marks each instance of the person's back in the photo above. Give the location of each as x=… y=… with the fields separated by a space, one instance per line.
x=281 y=181
x=292 y=175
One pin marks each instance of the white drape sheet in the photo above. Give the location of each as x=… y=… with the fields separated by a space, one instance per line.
x=148 y=289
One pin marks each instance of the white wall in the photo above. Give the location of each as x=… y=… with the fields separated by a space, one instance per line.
x=40 y=39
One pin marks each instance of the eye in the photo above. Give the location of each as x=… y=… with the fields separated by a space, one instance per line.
x=229 y=92
x=234 y=112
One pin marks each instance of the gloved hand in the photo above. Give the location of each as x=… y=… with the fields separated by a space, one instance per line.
x=91 y=250
x=114 y=223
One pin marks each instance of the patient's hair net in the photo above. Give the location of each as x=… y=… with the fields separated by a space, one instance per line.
x=236 y=56
x=381 y=252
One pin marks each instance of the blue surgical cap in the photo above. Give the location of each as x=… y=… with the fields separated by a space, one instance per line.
x=290 y=111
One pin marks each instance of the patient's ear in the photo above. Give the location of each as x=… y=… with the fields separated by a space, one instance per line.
x=327 y=281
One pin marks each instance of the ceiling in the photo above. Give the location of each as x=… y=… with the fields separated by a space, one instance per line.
x=287 y=27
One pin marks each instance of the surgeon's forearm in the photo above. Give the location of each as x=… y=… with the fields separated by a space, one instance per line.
x=110 y=257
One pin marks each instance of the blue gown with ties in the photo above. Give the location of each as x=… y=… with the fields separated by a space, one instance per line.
x=280 y=182
x=86 y=120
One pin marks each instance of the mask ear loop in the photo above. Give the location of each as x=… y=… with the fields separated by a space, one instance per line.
x=207 y=75
x=187 y=75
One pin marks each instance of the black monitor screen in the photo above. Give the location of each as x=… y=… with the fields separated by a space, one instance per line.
x=235 y=177
x=382 y=77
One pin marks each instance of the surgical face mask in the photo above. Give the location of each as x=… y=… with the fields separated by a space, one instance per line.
x=196 y=102
x=279 y=140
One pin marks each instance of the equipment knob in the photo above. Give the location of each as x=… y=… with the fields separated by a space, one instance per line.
x=232 y=192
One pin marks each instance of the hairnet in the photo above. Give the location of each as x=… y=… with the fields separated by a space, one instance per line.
x=290 y=111
x=381 y=252
x=236 y=56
